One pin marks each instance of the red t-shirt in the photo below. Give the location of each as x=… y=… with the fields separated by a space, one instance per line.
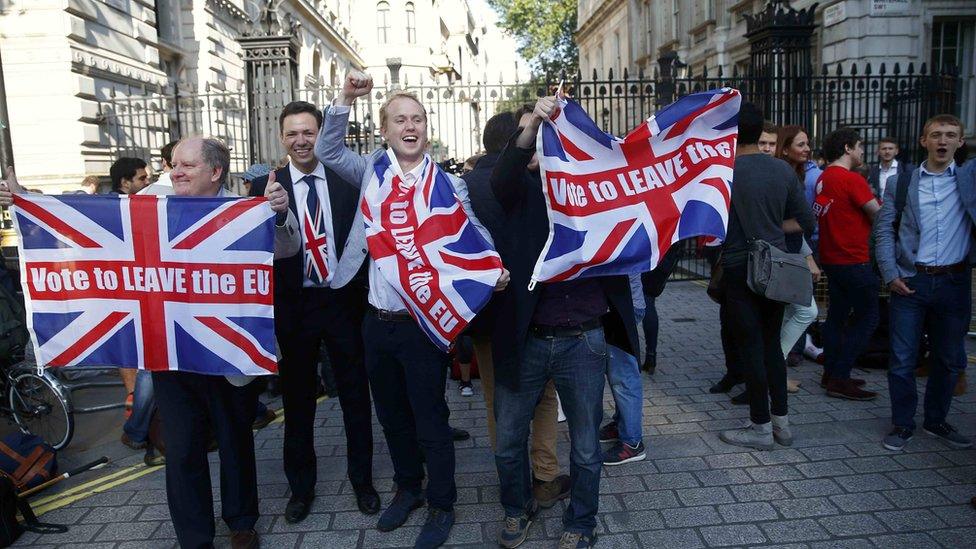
x=844 y=226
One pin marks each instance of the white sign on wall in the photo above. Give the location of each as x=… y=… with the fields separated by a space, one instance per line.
x=889 y=7
x=835 y=14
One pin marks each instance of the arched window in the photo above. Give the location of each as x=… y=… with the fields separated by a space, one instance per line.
x=383 y=22
x=411 y=24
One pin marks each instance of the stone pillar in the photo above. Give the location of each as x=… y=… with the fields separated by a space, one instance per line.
x=781 y=68
x=271 y=76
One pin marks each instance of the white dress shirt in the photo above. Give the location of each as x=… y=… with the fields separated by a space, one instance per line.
x=382 y=294
x=301 y=195
x=884 y=174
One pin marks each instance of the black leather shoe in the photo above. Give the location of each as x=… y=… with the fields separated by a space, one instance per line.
x=368 y=500
x=459 y=434
x=724 y=385
x=740 y=399
x=297 y=509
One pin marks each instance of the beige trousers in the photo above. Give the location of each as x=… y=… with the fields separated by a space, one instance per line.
x=545 y=465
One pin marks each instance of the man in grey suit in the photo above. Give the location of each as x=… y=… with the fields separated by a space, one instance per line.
x=407 y=372
x=925 y=254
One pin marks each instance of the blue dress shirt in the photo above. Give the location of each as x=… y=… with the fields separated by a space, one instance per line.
x=944 y=228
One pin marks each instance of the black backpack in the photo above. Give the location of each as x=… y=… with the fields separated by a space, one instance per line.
x=13 y=332
x=10 y=505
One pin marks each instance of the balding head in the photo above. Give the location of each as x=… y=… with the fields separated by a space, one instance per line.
x=200 y=166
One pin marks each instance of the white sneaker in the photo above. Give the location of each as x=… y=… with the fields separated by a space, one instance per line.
x=466 y=389
x=811 y=351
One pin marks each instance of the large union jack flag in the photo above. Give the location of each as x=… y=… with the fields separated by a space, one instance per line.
x=426 y=247
x=150 y=282
x=617 y=205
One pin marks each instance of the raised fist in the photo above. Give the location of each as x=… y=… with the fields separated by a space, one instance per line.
x=356 y=84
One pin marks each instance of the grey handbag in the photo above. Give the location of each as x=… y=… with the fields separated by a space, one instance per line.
x=778 y=275
x=775 y=274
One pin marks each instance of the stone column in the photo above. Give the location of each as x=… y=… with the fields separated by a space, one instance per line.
x=271 y=76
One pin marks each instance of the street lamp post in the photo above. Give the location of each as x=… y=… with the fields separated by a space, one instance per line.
x=6 y=148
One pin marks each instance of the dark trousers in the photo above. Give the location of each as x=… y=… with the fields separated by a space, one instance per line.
x=652 y=284
x=852 y=289
x=578 y=367
x=940 y=305
x=408 y=375
x=332 y=316
x=733 y=366
x=755 y=324
x=188 y=404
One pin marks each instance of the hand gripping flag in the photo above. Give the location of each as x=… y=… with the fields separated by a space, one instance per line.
x=150 y=282
x=420 y=237
x=617 y=205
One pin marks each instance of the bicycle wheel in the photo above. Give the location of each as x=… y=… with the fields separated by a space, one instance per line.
x=40 y=408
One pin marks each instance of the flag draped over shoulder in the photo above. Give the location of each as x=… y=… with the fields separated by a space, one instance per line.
x=150 y=282
x=617 y=205
x=427 y=249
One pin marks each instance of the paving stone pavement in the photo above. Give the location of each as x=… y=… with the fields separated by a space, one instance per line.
x=836 y=487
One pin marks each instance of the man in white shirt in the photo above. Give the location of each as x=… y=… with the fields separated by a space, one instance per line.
x=407 y=372
x=887 y=166
x=309 y=313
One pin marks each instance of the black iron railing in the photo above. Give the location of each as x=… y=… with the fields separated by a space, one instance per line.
x=878 y=102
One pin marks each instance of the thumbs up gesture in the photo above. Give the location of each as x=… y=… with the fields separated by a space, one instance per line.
x=9 y=186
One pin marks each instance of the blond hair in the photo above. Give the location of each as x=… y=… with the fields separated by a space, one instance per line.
x=393 y=97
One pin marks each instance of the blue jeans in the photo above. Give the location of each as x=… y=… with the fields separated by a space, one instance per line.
x=143 y=406
x=941 y=304
x=852 y=288
x=578 y=367
x=623 y=373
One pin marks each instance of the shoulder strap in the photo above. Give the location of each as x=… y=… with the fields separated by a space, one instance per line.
x=901 y=198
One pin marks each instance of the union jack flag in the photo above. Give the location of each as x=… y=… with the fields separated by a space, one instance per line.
x=426 y=247
x=150 y=282
x=617 y=205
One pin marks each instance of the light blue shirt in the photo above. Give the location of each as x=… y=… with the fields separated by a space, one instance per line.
x=944 y=228
x=811 y=175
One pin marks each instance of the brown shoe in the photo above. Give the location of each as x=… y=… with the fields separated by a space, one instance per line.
x=846 y=388
x=265 y=420
x=960 y=385
x=546 y=494
x=131 y=443
x=856 y=381
x=244 y=539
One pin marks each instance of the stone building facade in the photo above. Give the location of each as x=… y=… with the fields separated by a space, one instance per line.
x=634 y=34
x=61 y=57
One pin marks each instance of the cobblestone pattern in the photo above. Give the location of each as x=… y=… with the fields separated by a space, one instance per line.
x=836 y=487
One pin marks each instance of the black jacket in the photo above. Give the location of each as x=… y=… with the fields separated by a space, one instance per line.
x=492 y=216
x=519 y=192
x=875 y=174
x=289 y=271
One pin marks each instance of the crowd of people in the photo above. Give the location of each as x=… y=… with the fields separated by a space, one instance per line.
x=549 y=351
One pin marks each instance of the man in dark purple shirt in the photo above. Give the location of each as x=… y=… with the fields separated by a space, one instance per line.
x=570 y=303
x=557 y=331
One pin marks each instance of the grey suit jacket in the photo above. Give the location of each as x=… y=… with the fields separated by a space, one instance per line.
x=896 y=256
x=331 y=151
